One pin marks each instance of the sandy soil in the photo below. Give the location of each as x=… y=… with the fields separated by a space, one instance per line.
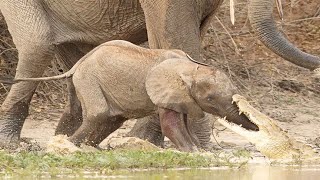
x=285 y=92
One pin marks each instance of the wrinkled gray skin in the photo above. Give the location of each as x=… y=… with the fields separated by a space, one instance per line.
x=64 y=29
x=149 y=81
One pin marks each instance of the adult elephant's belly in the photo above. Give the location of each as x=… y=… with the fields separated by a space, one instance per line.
x=95 y=22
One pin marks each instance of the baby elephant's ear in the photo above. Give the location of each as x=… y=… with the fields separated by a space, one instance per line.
x=168 y=86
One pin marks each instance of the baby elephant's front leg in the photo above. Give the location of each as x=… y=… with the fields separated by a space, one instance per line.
x=173 y=126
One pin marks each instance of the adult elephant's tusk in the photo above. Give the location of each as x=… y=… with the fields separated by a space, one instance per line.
x=280 y=10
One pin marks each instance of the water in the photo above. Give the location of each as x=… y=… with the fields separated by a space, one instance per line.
x=251 y=172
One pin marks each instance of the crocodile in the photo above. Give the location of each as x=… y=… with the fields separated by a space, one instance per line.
x=272 y=141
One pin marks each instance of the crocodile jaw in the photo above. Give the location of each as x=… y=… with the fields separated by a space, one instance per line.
x=270 y=140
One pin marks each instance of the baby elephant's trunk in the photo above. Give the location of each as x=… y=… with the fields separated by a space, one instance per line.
x=232 y=114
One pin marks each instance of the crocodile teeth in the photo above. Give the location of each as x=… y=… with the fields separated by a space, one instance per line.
x=236 y=101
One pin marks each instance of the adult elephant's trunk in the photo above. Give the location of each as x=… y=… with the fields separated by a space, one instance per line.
x=260 y=16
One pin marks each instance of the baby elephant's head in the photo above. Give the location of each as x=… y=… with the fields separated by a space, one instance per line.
x=192 y=89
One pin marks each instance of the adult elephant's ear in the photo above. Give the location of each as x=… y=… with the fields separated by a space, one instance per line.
x=168 y=86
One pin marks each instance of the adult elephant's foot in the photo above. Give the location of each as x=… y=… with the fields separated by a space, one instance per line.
x=10 y=129
x=148 y=128
x=69 y=122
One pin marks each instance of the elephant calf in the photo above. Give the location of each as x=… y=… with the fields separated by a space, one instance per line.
x=118 y=80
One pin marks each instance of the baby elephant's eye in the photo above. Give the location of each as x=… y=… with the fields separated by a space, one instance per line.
x=210 y=99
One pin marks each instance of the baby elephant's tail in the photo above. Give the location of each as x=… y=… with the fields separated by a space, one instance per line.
x=64 y=75
x=61 y=76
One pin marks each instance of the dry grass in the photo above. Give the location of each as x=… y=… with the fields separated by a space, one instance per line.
x=8 y=57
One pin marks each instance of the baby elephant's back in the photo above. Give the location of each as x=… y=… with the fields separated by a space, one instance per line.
x=121 y=72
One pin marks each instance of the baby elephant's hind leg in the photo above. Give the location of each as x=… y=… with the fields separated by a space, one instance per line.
x=95 y=129
x=71 y=119
x=108 y=126
x=97 y=123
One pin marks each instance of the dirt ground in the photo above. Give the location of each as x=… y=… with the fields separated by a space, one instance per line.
x=283 y=91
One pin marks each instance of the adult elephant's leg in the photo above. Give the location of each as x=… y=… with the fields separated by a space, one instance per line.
x=33 y=38
x=149 y=129
x=174 y=24
x=201 y=128
x=171 y=24
x=14 y=110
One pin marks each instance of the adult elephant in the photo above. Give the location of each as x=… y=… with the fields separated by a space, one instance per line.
x=44 y=29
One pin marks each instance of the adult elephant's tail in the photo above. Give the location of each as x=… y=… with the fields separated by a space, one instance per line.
x=260 y=16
